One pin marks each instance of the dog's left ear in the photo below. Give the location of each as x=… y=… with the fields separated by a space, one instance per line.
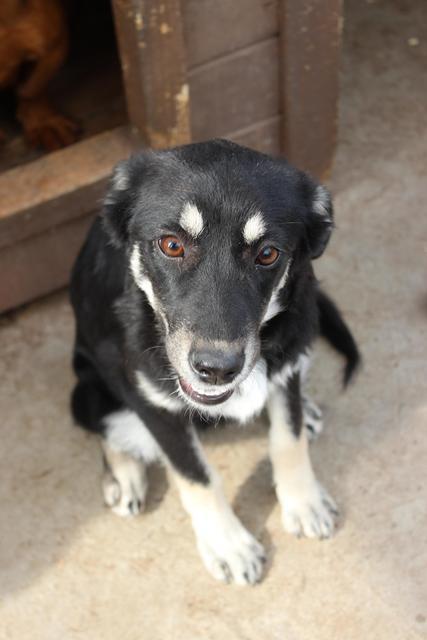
x=117 y=209
x=320 y=221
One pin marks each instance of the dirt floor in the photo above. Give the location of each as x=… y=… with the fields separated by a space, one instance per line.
x=69 y=569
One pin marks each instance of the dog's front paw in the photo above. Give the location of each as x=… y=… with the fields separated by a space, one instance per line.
x=125 y=492
x=230 y=553
x=310 y=513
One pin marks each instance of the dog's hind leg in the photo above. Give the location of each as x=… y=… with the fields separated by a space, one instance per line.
x=94 y=408
x=91 y=400
x=312 y=417
x=124 y=482
x=128 y=447
x=312 y=414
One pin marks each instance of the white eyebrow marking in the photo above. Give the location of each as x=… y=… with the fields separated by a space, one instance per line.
x=254 y=228
x=191 y=220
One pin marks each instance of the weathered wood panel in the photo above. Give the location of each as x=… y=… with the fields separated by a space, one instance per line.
x=45 y=210
x=59 y=186
x=152 y=55
x=235 y=91
x=215 y=28
x=309 y=81
x=263 y=136
x=40 y=264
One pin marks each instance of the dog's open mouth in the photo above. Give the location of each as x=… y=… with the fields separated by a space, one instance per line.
x=203 y=398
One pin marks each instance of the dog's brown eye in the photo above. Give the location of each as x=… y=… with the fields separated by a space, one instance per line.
x=171 y=246
x=267 y=256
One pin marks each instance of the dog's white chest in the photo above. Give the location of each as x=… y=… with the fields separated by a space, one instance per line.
x=248 y=400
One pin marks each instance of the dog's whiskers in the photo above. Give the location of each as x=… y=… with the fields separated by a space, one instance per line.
x=157 y=346
x=167 y=379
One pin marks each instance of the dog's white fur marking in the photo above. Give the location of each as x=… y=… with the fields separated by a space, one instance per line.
x=254 y=228
x=124 y=483
x=126 y=433
x=142 y=280
x=280 y=378
x=144 y=283
x=191 y=220
x=321 y=201
x=157 y=396
x=274 y=307
x=249 y=399
x=307 y=509
x=228 y=550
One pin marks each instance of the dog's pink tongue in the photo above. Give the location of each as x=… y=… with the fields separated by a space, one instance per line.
x=186 y=386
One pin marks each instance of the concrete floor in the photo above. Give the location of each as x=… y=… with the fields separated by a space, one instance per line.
x=70 y=569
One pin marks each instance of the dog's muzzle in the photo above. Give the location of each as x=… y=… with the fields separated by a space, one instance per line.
x=213 y=367
x=209 y=371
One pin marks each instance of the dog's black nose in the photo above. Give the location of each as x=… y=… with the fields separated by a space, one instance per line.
x=217 y=367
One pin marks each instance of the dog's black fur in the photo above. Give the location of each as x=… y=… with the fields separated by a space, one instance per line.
x=217 y=291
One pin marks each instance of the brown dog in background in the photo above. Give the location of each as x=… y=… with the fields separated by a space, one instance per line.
x=33 y=46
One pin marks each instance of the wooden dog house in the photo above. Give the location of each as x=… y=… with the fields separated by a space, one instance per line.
x=261 y=72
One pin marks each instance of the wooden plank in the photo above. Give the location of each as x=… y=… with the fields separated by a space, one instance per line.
x=152 y=55
x=213 y=29
x=59 y=186
x=40 y=264
x=309 y=71
x=235 y=91
x=262 y=136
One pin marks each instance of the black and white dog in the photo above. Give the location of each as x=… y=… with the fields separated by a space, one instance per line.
x=195 y=299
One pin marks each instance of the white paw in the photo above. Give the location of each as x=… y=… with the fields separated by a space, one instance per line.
x=125 y=492
x=313 y=418
x=310 y=513
x=230 y=553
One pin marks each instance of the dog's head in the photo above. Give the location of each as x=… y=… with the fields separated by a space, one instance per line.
x=212 y=232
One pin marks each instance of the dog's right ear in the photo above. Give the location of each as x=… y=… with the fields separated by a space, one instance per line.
x=320 y=221
x=117 y=210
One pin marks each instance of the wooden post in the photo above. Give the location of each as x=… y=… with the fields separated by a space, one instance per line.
x=152 y=53
x=310 y=37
